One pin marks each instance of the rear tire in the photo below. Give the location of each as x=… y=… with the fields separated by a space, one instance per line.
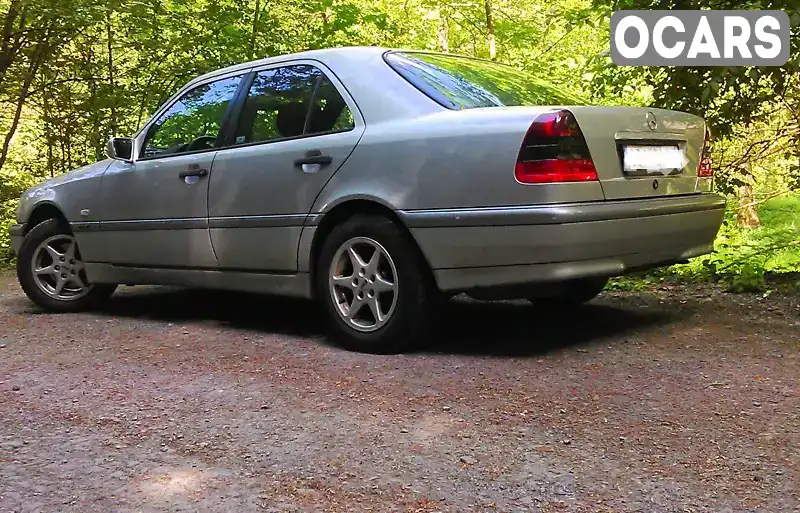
x=51 y=272
x=374 y=304
x=572 y=293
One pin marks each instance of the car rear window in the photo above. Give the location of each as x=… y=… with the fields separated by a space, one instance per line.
x=464 y=83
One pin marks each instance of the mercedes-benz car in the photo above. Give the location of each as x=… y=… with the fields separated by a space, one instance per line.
x=377 y=182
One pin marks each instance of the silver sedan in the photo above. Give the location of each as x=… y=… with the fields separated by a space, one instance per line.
x=378 y=182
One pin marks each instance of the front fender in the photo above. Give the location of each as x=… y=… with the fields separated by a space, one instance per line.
x=74 y=194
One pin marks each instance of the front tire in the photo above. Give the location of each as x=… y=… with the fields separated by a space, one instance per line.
x=52 y=273
x=374 y=286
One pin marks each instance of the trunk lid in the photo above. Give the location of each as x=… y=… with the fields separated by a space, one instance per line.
x=609 y=130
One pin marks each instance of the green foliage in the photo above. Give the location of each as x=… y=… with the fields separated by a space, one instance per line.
x=759 y=154
x=746 y=260
x=7 y=210
x=12 y=185
x=724 y=95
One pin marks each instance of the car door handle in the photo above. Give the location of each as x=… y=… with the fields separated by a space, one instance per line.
x=314 y=157
x=193 y=170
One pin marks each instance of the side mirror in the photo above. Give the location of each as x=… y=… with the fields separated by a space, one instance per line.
x=120 y=148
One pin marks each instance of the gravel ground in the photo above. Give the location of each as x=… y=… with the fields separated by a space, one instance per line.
x=169 y=400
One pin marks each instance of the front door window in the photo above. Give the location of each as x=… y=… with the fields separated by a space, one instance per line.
x=192 y=123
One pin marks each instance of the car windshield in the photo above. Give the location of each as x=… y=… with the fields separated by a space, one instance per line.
x=464 y=83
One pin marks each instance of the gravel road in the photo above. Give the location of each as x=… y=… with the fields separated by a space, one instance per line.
x=169 y=400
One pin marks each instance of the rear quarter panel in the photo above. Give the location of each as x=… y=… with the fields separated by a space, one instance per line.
x=446 y=160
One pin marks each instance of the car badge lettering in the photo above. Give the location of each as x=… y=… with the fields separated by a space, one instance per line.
x=652 y=122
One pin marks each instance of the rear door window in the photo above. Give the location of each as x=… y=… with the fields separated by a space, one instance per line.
x=464 y=83
x=289 y=102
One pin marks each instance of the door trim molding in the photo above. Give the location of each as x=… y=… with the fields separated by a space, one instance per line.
x=264 y=221
x=199 y=223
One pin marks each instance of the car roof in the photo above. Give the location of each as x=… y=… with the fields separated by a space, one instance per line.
x=348 y=64
x=352 y=54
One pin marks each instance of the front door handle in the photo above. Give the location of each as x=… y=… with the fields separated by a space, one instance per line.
x=193 y=170
x=314 y=157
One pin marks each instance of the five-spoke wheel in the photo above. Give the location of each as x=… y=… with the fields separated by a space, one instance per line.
x=52 y=272
x=374 y=285
x=58 y=269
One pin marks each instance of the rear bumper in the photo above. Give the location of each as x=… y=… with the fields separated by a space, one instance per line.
x=17 y=233
x=493 y=247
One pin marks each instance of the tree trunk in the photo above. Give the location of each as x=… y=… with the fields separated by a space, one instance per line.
x=61 y=137
x=747 y=215
x=253 y=34
x=9 y=46
x=50 y=165
x=95 y=135
x=487 y=4
x=443 y=33
x=36 y=60
x=112 y=122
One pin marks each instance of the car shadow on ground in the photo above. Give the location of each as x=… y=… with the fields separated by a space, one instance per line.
x=519 y=329
x=464 y=327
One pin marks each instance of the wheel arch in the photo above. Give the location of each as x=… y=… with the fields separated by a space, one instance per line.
x=42 y=212
x=343 y=211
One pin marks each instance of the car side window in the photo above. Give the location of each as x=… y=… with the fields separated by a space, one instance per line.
x=289 y=102
x=329 y=112
x=193 y=122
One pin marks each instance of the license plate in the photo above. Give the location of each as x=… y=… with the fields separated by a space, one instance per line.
x=642 y=159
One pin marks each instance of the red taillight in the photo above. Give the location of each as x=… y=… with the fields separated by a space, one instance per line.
x=553 y=151
x=705 y=169
x=556 y=170
x=554 y=124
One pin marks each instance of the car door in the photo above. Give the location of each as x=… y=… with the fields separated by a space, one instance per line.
x=294 y=129
x=155 y=210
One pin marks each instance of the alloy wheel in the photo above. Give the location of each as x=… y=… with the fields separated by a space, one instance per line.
x=58 y=269
x=363 y=284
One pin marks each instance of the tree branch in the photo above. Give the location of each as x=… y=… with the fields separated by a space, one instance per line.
x=769 y=196
x=46 y=86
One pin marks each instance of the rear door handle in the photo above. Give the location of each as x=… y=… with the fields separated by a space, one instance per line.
x=314 y=157
x=193 y=170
